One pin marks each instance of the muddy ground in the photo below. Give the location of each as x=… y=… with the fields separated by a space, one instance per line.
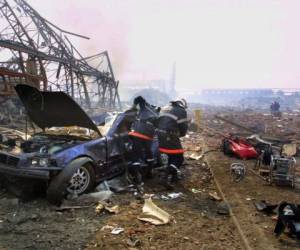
x=256 y=226
x=199 y=221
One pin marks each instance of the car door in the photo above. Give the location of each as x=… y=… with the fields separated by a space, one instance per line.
x=97 y=149
x=117 y=156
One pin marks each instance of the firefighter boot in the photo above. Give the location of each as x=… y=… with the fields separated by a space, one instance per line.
x=176 y=173
x=149 y=169
x=166 y=179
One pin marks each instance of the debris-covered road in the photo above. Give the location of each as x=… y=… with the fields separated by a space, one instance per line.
x=200 y=217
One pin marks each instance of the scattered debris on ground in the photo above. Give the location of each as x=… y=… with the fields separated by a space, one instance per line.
x=198 y=214
x=115 y=223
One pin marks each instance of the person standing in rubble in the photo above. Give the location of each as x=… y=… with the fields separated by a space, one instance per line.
x=142 y=133
x=172 y=124
x=275 y=108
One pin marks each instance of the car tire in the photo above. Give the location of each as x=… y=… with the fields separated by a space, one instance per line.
x=58 y=187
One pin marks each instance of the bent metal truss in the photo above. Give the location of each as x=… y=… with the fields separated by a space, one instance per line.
x=36 y=52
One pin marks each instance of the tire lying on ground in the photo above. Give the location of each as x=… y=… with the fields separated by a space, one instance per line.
x=78 y=177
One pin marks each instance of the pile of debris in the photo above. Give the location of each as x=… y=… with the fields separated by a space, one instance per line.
x=12 y=113
x=241 y=122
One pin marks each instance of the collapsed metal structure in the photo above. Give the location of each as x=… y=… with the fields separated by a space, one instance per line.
x=36 y=52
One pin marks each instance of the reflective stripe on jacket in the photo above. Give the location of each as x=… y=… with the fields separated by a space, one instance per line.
x=141 y=136
x=171 y=151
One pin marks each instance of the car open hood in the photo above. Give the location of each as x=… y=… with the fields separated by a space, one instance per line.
x=53 y=109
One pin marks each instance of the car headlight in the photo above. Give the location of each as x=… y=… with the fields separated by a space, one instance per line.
x=34 y=162
x=40 y=162
x=44 y=162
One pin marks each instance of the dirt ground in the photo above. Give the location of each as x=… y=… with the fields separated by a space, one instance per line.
x=257 y=227
x=196 y=224
x=199 y=221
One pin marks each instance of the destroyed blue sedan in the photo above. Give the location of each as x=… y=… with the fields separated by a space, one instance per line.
x=69 y=154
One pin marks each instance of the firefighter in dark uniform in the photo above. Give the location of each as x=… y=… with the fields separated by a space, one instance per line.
x=172 y=124
x=142 y=133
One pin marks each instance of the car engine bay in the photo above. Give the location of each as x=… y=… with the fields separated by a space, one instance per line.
x=16 y=142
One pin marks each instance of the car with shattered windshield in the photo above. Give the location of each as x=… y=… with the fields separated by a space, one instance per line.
x=70 y=153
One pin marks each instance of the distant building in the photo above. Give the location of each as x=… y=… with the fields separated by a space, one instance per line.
x=235 y=92
x=164 y=85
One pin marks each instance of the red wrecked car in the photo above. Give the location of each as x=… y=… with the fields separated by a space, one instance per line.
x=235 y=146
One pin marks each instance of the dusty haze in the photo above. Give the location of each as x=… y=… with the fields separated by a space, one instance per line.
x=214 y=43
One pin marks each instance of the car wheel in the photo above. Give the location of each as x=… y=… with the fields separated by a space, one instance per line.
x=72 y=179
x=82 y=180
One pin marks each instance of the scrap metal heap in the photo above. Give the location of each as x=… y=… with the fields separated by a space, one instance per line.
x=38 y=53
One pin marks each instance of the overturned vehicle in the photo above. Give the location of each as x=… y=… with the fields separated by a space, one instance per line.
x=71 y=154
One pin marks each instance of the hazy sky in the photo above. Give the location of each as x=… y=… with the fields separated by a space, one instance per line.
x=215 y=43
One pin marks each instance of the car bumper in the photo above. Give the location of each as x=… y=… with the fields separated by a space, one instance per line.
x=31 y=173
